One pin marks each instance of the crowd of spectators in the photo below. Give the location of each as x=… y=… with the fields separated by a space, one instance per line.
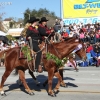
x=89 y=34
x=13 y=44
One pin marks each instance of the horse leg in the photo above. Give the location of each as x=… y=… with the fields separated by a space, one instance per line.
x=61 y=74
x=22 y=78
x=50 y=77
x=56 y=74
x=34 y=78
x=4 y=77
x=62 y=83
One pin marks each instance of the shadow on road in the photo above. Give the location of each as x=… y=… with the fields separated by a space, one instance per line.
x=71 y=84
x=69 y=78
x=41 y=79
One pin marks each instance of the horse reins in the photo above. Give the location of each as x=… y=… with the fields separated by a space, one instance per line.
x=51 y=45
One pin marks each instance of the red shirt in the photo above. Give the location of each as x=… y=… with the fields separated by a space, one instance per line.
x=84 y=29
x=65 y=35
x=89 y=49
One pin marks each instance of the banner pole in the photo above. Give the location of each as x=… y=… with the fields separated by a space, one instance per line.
x=61 y=9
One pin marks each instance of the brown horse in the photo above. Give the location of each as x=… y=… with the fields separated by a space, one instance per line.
x=12 y=62
x=59 y=49
x=63 y=49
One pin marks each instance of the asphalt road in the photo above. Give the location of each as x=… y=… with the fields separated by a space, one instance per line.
x=82 y=85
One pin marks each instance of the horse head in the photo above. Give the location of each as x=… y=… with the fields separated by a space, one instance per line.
x=65 y=48
x=82 y=52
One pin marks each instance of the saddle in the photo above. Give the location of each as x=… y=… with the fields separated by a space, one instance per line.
x=25 y=53
x=21 y=55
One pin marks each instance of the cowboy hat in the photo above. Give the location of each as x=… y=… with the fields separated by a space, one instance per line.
x=43 y=19
x=33 y=19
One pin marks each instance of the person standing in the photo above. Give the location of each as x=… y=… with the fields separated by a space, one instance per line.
x=61 y=24
x=33 y=33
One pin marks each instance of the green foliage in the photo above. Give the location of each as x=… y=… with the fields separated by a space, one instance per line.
x=10 y=38
x=58 y=61
x=26 y=52
x=38 y=13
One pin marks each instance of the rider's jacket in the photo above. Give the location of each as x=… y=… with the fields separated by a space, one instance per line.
x=44 y=31
x=33 y=33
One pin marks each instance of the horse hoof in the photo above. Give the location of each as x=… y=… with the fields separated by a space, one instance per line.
x=56 y=92
x=63 y=85
x=3 y=94
x=32 y=93
x=52 y=95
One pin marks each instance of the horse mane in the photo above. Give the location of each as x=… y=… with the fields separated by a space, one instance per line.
x=67 y=40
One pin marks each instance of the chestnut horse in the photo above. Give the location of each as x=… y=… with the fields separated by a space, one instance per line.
x=61 y=50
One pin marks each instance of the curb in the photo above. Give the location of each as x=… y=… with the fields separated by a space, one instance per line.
x=98 y=92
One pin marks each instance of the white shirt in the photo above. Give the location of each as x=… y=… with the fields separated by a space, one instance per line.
x=71 y=34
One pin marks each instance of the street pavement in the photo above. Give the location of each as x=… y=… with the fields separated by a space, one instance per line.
x=82 y=85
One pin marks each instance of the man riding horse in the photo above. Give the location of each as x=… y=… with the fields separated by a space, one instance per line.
x=37 y=37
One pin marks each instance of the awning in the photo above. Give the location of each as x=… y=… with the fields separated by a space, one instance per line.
x=2 y=33
x=15 y=32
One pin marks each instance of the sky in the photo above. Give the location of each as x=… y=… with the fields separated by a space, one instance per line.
x=16 y=8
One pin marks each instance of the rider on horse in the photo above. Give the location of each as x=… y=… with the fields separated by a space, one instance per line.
x=37 y=37
x=33 y=33
x=44 y=30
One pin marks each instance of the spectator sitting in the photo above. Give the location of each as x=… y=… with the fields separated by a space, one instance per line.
x=71 y=34
x=86 y=37
x=81 y=35
x=89 y=48
x=98 y=27
x=64 y=35
x=67 y=30
x=95 y=53
x=97 y=36
x=92 y=39
x=22 y=43
x=84 y=29
x=75 y=34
